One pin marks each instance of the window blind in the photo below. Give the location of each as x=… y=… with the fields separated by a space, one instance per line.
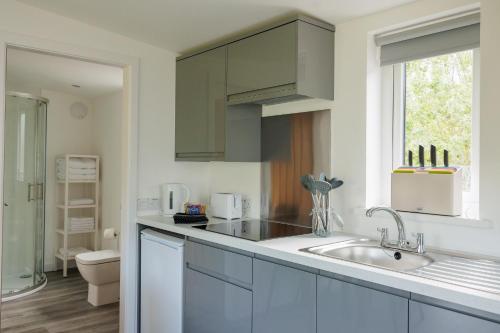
x=458 y=33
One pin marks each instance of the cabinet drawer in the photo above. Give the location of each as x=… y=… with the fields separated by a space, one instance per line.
x=426 y=318
x=215 y=306
x=226 y=265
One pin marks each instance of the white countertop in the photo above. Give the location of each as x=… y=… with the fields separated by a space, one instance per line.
x=287 y=248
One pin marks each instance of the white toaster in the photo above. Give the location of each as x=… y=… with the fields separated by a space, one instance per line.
x=226 y=205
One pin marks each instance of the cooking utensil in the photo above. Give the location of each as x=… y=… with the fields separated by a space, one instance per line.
x=433 y=156
x=334 y=182
x=324 y=188
x=307 y=182
x=421 y=156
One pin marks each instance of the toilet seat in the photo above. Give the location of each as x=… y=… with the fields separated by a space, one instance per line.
x=98 y=257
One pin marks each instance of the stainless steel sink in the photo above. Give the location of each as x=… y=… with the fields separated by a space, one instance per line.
x=369 y=252
x=471 y=272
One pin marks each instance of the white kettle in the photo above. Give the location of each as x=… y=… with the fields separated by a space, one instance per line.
x=173 y=196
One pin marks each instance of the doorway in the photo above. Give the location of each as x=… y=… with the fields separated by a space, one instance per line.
x=58 y=106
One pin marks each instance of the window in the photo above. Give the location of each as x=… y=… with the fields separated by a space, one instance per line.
x=430 y=92
x=434 y=102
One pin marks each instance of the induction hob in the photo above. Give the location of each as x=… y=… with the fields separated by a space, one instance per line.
x=255 y=230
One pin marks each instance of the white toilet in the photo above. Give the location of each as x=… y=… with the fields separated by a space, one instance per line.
x=101 y=269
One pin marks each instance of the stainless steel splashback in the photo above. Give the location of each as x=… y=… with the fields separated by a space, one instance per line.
x=292 y=145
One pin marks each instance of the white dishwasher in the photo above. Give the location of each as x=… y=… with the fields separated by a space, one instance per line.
x=162 y=259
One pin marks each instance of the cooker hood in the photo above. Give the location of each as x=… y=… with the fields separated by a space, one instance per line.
x=273 y=95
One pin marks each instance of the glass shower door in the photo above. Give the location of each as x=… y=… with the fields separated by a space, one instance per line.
x=24 y=179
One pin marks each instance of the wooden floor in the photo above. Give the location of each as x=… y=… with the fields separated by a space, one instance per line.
x=60 y=307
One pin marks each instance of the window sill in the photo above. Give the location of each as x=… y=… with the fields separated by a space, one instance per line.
x=440 y=219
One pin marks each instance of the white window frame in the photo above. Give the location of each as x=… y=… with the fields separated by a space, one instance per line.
x=393 y=87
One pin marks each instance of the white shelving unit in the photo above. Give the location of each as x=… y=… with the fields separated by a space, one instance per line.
x=66 y=189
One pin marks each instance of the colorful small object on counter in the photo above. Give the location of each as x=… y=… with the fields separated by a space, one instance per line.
x=194 y=209
x=437 y=170
x=405 y=170
x=446 y=170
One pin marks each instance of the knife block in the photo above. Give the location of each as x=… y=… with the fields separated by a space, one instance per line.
x=429 y=193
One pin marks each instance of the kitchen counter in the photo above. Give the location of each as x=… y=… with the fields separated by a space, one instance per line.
x=287 y=249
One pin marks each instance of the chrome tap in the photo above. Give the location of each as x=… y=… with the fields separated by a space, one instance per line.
x=420 y=247
x=402 y=243
x=397 y=218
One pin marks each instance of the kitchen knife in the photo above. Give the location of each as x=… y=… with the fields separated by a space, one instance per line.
x=421 y=156
x=445 y=158
x=410 y=158
x=433 y=156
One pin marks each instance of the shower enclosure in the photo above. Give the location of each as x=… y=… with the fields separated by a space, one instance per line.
x=24 y=195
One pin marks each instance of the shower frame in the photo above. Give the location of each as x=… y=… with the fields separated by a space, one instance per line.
x=35 y=192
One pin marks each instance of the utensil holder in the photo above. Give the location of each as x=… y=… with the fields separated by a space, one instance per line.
x=320 y=227
x=321 y=215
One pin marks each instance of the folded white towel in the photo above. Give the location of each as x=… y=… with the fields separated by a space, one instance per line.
x=78 y=163
x=62 y=176
x=82 y=201
x=73 y=251
x=82 y=225
x=91 y=228
x=75 y=171
x=81 y=219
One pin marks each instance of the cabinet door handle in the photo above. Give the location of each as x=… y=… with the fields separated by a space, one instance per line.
x=30 y=190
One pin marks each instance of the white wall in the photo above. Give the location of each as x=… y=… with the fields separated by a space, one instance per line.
x=356 y=83
x=237 y=177
x=108 y=112
x=65 y=134
x=25 y=87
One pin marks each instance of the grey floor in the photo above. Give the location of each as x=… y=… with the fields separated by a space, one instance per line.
x=60 y=307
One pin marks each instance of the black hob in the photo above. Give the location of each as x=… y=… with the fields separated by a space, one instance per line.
x=255 y=230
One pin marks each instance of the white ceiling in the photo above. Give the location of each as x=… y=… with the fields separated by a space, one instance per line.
x=179 y=25
x=31 y=69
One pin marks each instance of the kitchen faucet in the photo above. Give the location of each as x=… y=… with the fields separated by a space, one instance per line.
x=402 y=243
